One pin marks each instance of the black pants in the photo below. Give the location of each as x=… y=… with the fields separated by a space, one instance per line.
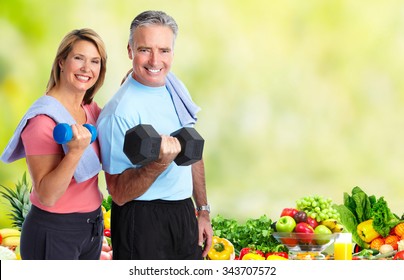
x=50 y=236
x=155 y=230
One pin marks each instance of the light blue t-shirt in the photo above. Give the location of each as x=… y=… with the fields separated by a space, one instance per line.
x=135 y=104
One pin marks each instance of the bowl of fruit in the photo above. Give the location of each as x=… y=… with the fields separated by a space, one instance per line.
x=304 y=235
x=305 y=242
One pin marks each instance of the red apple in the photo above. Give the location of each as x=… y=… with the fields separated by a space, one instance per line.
x=289 y=212
x=306 y=232
x=303 y=227
x=312 y=222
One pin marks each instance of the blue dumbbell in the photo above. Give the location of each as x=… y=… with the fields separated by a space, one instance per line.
x=62 y=133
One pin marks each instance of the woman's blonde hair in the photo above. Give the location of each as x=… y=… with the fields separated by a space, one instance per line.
x=66 y=47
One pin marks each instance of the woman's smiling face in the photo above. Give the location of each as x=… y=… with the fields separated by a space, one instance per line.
x=82 y=66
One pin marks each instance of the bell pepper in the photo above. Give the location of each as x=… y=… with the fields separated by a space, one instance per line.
x=107 y=219
x=252 y=256
x=248 y=250
x=366 y=231
x=221 y=249
x=279 y=250
x=277 y=257
x=280 y=254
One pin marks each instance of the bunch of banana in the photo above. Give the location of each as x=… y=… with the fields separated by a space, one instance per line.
x=10 y=237
x=333 y=225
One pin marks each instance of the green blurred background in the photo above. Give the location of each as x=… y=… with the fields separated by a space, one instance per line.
x=298 y=97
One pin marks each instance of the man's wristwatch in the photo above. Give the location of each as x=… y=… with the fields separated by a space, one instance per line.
x=203 y=208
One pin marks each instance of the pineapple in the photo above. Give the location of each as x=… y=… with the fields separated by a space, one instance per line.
x=19 y=200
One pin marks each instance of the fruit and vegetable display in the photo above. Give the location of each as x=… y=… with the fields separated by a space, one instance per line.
x=303 y=229
x=312 y=225
x=372 y=224
x=106 y=252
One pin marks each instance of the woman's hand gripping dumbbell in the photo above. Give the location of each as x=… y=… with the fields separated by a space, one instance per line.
x=63 y=133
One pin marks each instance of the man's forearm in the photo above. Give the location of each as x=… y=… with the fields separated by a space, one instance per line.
x=199 y=183
x=133 y=182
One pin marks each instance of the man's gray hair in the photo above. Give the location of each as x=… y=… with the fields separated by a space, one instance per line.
x=152 y=18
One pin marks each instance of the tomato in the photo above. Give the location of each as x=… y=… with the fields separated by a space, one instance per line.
x=107 y=232
x=399 y=255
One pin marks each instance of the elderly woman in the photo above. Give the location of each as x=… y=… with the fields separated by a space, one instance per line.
x=65 y=220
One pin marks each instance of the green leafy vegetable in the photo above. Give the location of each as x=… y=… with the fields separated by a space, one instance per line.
x=383 y=219
x=359 y=203
x=366 y=253
x=256 y=233
x=359 y=207
x=107 y=202
x=348 y=219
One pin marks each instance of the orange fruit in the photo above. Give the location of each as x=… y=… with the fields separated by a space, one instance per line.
x=376 y=243
x=399 y=229
x=392 y=240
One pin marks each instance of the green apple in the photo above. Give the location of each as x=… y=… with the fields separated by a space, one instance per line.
x=321 y=230
x=285 y=224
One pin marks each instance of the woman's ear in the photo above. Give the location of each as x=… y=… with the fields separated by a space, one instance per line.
x=60 y=63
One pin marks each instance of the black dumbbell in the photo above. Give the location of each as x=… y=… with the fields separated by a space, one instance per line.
x=191 y=146
x=62 y=133
x=142 y=145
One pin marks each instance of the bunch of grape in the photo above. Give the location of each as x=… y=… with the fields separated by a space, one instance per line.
x=317 y=207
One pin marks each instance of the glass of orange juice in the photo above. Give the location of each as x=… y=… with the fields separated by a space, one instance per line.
x=343 y=246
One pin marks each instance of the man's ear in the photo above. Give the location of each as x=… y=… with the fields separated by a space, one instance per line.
x=130 y=52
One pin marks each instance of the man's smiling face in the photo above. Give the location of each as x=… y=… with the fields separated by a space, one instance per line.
x=152 y=54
